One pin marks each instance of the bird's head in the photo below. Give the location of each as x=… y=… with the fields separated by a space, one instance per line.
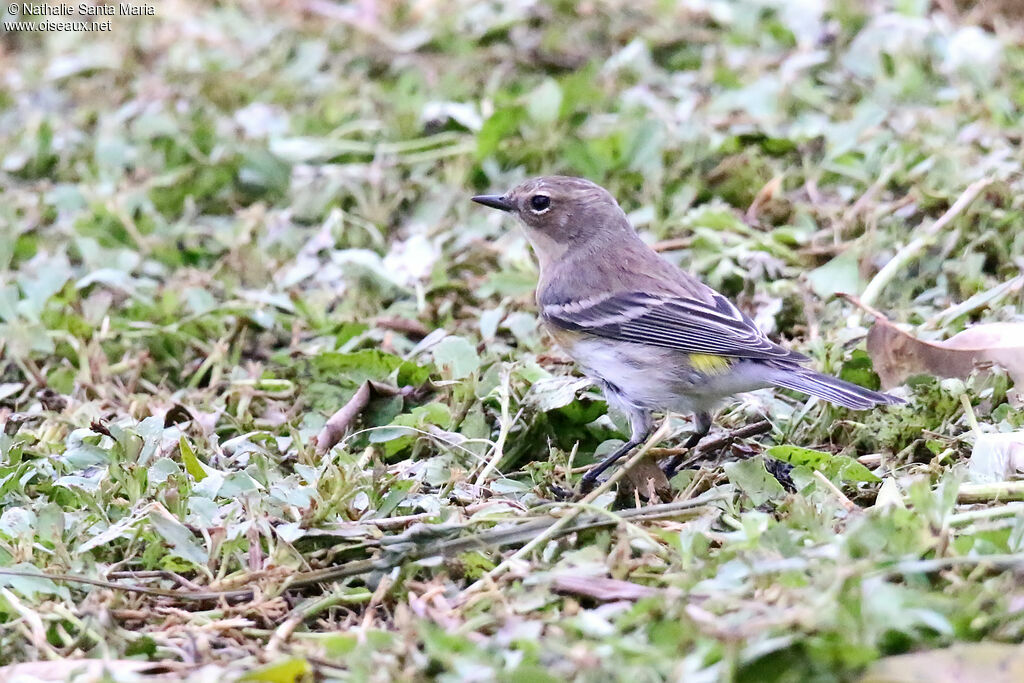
x=562 y=211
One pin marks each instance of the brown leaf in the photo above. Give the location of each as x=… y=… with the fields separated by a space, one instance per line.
x=335 y=427
x=604 y=589
x=897 y=355
x=648 y=480
x=414 y=329
x=970 y=663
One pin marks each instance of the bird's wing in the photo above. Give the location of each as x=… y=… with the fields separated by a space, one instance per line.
x=715 y=327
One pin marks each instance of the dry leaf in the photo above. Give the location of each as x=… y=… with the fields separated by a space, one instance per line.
x=648 y=480
x=898 y=355
x=997 y=457
x=889 y=494
x=602 y=589
x=335 y=427
x=973 y=663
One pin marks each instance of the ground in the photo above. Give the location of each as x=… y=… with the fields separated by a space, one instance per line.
x=220 y=222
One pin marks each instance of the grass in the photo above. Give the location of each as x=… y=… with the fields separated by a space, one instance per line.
x=220 y=222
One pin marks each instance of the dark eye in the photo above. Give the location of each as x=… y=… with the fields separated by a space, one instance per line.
x=539 y=202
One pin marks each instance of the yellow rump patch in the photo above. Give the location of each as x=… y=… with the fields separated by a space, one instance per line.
x=708 y=364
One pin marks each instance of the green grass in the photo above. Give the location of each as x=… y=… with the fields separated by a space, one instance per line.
x=219 y=222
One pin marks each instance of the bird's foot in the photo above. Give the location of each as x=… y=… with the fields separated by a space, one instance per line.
x=587 y=484
x=561 y=494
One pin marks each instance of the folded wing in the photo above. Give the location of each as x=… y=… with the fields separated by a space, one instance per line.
x=689 y=325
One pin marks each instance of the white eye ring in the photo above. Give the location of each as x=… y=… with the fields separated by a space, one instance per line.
x=544 y=199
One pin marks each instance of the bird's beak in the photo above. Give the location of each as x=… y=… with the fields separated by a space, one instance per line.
x=495 y=201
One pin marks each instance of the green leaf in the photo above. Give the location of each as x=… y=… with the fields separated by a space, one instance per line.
x=841 y=274
x=412 y=375
x=356 y=367
x=180 y=539
x=188 y=457
x=456 y=357
x=31 y=585
x=288 y=670
x=860 y=370
x=835 y=467
x=499 y=126
x=751 y=477
x=38 y=289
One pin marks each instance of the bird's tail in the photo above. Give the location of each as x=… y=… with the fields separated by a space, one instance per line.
x=832 y=389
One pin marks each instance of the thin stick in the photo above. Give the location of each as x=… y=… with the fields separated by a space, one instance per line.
x=835 y=491
x=1008 y=510
x=744 y=432
x=910 y=251
x=1002 y=561
x=984 y=493
x=498 y=452
x=494 y=538
x=571 y=514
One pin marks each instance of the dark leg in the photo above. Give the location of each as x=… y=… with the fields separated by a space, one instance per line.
x=641 y=425
x=701 y=427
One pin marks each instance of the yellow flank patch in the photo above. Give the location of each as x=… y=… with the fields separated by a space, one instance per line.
x=708 y=364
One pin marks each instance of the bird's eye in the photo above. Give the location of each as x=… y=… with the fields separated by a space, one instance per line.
x=540 y=202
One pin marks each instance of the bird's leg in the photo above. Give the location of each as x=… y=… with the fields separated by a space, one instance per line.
x=590 y=478
x=701 y=427
x=641 y=424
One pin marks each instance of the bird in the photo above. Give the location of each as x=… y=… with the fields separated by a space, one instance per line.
x=653 y=337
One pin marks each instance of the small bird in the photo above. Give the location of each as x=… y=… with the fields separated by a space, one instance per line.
x=653 y=337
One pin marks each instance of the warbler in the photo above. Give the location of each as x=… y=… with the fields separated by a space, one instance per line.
x=653 y=337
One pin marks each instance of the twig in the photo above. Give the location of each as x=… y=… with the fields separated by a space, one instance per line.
x=310 y=608
x=378 y=596
x=856 y=301
x=1009 y=510
x=602 y=588
x=404 y=547
x=505 y=426
x=571 y=514
x=1002 y=561
x=984 y=493
x=408 y=326
x=835 y=491
x=744 y=432
x=869 y=195
x=672 y=244
x=130 y=588
x=910 y=251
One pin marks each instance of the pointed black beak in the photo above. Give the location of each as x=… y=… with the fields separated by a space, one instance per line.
x=495 y=201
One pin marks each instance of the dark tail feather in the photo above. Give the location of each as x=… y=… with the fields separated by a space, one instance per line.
x=832 y=389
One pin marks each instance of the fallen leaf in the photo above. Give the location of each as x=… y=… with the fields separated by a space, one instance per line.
x=897 y=354
x=550 y=393
x=335 y=427
x=889 y=494
x=973 y=663
x=996 y=457
x=751 y=477
x=602 y=588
